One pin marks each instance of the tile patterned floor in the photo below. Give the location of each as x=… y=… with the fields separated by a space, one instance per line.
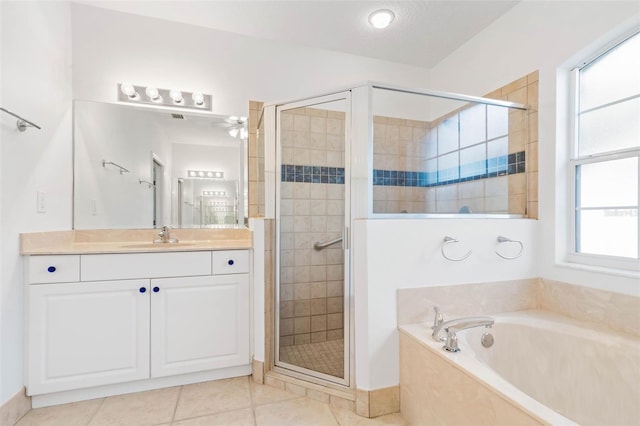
x=229 y=402
x=325 y=357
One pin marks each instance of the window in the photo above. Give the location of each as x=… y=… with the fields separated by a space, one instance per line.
x=606 y=158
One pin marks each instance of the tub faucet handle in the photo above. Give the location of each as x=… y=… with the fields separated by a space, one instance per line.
x=452 y=342
x=438 y=318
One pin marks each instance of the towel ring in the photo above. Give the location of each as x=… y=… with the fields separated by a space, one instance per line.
x=449 y=240
x=502 y=239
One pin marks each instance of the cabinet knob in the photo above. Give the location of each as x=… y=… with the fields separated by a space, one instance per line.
x=51 y=269
x=143 y=289
x=230 y=262
x=156 y=289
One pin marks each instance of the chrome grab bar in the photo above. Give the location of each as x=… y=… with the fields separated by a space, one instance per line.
x=319 y=246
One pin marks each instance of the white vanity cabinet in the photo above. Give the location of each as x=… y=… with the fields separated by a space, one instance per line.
x=135 y=316
x=199 y=323
x=87 y=334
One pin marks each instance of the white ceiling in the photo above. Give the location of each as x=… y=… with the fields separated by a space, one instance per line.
x=422 y=34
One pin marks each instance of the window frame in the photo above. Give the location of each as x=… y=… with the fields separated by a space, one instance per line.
x=575 y=161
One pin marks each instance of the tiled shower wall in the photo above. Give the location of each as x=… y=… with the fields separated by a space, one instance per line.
x=311 y=210
x=402 y=148
x=523 y=190
x=255 y=164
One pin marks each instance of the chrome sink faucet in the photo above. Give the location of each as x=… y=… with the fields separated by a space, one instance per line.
x=165 y=236
x=455 y=325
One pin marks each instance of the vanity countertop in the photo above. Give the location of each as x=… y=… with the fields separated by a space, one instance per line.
x=132 y=241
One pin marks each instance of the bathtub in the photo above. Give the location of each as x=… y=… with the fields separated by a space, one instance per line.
x=542 y=369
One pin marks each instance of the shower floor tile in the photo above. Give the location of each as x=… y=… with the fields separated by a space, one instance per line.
x=324 y=357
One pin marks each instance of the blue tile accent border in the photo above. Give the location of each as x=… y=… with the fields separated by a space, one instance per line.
x=312 y=174
x=493 y=167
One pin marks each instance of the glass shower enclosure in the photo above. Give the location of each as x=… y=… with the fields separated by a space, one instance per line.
x=312 y=209
x=373 y=152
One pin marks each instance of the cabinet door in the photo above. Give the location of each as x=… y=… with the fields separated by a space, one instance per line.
x=87 y=334
x=199 y=323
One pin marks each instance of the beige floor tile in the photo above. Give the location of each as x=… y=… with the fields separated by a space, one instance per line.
x=214 y=397
x=263 y=394
x=142 y=408
x=298 y=412
x=242 y=417
x=349 y=418
x=76 y=413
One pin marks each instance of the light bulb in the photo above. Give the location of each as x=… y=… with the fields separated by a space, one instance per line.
x=210 y=174
x=381 y=18
x=176 y=95
x=192 y=173
x=234 y=132
x=128 y=90
x=198 y=98
x=201 y=174
x=218 y=174
x=153 y=93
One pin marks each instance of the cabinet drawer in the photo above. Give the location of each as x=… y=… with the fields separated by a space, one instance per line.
x=53 y=269
x=230 y=262
x=98 y=267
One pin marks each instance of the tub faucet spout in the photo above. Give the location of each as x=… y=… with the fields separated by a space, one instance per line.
x=455 y=325
x=437 y=318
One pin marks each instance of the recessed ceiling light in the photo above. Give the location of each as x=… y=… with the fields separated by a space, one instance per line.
x=381 y=18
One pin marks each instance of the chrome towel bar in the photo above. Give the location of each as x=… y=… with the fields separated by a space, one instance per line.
x=502 y=239
x=319 y=246
x=449 y=240
x=22 y=123
x=105 y=163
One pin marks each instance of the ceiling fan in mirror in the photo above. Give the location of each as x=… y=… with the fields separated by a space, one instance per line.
x=236 y=126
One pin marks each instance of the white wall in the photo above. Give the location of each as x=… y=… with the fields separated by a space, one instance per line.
x=104 y=132
x=549 y=36
x=36 y=82
x=233 y=68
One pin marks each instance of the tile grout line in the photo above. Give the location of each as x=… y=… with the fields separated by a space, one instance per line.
x=175 y=407
x=95 y=413
x=253 y=406
x=334 y=415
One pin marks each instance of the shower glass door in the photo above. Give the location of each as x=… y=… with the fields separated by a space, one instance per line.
x=312 y=286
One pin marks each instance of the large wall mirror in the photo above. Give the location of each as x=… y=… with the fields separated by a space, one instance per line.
x=145 y=168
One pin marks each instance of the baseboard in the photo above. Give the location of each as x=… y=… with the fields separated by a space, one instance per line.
x=378 y=402
x=15 y=408
x=84 y=394
x=257 y=371
x=342 y=398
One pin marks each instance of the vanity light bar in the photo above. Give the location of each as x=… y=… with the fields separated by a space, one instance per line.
x=217 y=203
x=205 y=174
x=214 y=193
x=165 y=97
